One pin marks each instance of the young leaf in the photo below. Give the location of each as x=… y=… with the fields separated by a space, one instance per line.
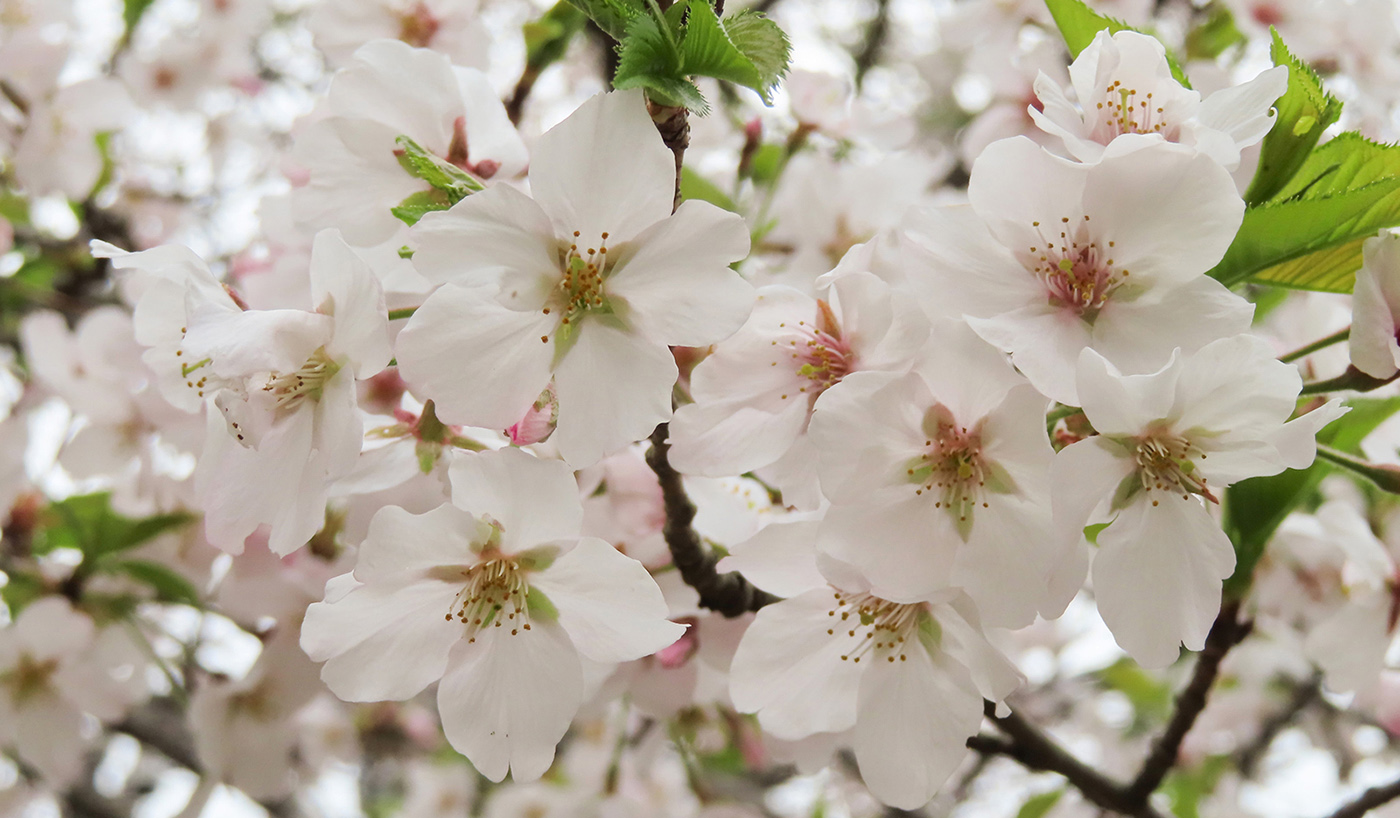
x=420 y=204
x=547 y=38
x=1304 y=112
x=612 y=16
x=648 y=58
x=456 y=183
x=169 y=585
x=763 y=44
x=707 y=51
x=695 y=186
x=1079 y=24
x=1037 y=806
x=1216 y=35
x=132 y=11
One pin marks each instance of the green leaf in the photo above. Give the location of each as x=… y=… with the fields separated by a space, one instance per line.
x=1304 y=111
x=1151 y=697
x=763 y=44
x=454 y=182
x=1298 y=229
x=547 y=38
x=21 y=589
x=1187 y=786
x=695 y=186
x=168 y=584
x=418 y=205
x=706 y=50
x=88 y=523
x=1038 y=805
x=1254 y=508
x=767 y=164
x=14 y=208
x=612 y=16
x=132 y=11
x=648 y=58
x=1216 y=35
x=1079 y=24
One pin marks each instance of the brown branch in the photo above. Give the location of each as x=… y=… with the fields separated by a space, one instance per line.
x=674 y=126
x=516 y=104
x=160 y=725
x=876 y=33
x=1036 y=751
x=1227 y=632
x=1369 y=800
x=729 y=594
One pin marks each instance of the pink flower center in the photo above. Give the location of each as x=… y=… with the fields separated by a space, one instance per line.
x=1078 y=272
x=819 y=351
x=953 y=469
x=418 y=26
x=875 y=626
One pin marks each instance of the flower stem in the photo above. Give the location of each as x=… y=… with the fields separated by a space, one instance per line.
x=1387 y=478
x=1321 y=343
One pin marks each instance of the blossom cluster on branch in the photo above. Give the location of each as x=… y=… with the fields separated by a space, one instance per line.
x=457 y=407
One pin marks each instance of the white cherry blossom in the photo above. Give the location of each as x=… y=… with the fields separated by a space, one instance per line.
x=1376 y=308
x=586 y=284
x=1168 y=443
x=1125 y=86
x=497 y=596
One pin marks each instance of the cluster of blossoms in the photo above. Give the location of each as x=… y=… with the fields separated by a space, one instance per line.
x=445 y=404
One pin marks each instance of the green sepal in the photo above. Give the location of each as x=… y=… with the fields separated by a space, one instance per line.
x=539 y=606
x=420 y=204
x=454 y=182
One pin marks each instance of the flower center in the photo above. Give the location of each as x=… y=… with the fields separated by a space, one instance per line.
x=418 y=26
x=30 y=677
x=952 y=467
x=1124 y=111
x=291 y=389
x=1078 y=273
x=822 y=356
x=580 y=288
x=1165 y=462
x=495 y=595
x=880 y=629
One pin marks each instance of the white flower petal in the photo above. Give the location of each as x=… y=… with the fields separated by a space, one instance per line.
x=399 y=543
x=780 y=559
x=536 y=501
x=344 y=287
x=608 y=603
x=506 y=700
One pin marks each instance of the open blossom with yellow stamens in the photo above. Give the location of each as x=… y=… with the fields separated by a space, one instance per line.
x=281 y=384
x=1168 y=444
x=1125 y=87
x=496 y=595
x=937 y=479
x=584 y=285
x=906 y=679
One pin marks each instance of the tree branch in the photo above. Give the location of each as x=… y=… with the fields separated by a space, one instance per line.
x=876 y=33
x=1227 y=632
x=1368 y=800
x=1303 y=695
x=1036 y=751
x=728 y=594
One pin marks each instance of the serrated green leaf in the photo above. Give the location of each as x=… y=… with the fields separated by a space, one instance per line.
x=420 y=204
x=648 y=58
x=1348 y=162
x=695 y=186
x=88 y=523
x=454 y=182
x=1304 y=111
x=1254 y=508
x=1279 y=232
x=612 y=16
x=763 y=44
x=706 y=50
x=168 y=584
x=1079 y=24
x=1038 y=805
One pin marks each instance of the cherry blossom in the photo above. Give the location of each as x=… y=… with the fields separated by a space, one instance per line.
x=585 y=286
x=496 y=595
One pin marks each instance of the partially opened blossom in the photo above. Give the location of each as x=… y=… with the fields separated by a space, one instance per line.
x=1125 y=86
x=755 y=393
x=1056 y=256
x=937 y=479
x=586 y=284
x=1168 y=443
x=906 y=679
x=281 y=384
x=497 y=596
x=390 y=90
x=1376 y=308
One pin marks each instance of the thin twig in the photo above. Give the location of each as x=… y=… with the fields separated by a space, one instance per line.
x=1227 y=632
x=876 y=33
x=729 y=594
x=1368 y=800
x=1321 y=343
x=1303 y=696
